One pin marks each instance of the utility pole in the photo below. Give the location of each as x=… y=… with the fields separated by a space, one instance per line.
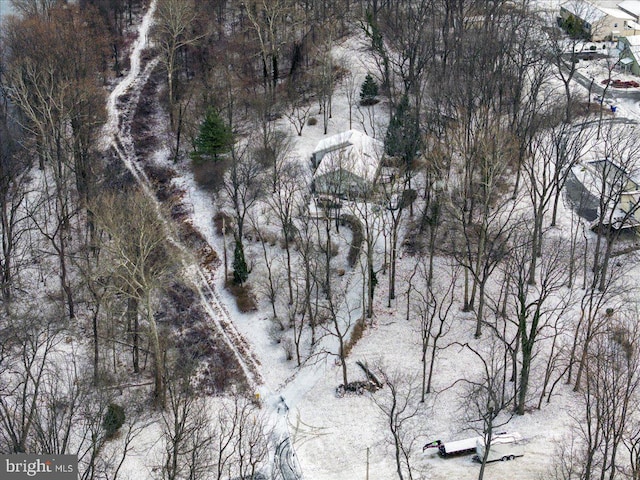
x=367 y=477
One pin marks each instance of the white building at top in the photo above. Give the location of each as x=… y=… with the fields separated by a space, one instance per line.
x=632 y=7
x=604 y=20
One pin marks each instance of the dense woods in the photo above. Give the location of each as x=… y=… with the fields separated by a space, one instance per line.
x=109 y=318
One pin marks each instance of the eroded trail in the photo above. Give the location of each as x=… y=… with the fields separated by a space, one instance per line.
x=121 y=107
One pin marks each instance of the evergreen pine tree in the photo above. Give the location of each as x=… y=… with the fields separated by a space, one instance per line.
x=403 y=134
x=574 y=27
x=369 y=91
x=113 y=419
x=240 y=272
x=215 y=137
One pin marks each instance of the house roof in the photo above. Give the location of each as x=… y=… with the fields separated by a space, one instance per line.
x=590 y=12
x=617 y=13
x=613 y=172
x=584 y=10
x=352 y=151
x=633 y=40
x=631 y=6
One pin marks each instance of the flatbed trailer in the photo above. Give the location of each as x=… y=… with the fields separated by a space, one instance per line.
x=456 y=447
x=464 y=446
x=504 y=446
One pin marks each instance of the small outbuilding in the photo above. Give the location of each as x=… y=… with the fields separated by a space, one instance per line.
x=346 y=165
x=629 y=53
x=606 y=183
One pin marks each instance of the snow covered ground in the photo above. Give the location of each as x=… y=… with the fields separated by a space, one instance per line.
x=346 y=438
x=333 y=437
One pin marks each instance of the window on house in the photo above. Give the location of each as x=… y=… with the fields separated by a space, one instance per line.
x=615 y=25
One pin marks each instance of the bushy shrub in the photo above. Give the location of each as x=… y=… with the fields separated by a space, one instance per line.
x=209 y=175
x=159 y=174
x=358 y=237
x=289 y=348
x=191 y=236
x=182 y=296
x=356 y=335
x=221 y=372
x=113 y=419
x=209 y=256
x=574 y=27
x=245 y=299
x=222 y=219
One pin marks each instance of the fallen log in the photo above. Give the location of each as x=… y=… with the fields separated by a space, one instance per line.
x=372 y=378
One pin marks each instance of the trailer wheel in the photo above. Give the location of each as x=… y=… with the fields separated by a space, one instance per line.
x=511 y=457
x=504 y=459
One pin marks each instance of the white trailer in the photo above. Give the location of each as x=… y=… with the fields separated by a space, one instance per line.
x=504 y=446
x=455 y=447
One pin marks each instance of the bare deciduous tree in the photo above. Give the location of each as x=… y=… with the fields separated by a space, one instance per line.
x=174 y=30
x=13 y=190
x=398 y=404
x=240 y=443
x=187 y=428
x=485 y=400
x=142 y=259
x=25 y=359
x=612 y=379
x=534 y=308
x=432 y=305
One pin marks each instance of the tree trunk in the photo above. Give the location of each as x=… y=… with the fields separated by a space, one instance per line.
x=394 y=253
x=287 y=249
x=96 y=349
x=480 y=312
x=433 y=358
x=556 y=202
x=159 y=396
x=605 y=261
x=133 y=327
x=465 y=306
x=488 y=438
x=524 y=376
x=63 y=278
x=343 y=357
x=424 y=370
